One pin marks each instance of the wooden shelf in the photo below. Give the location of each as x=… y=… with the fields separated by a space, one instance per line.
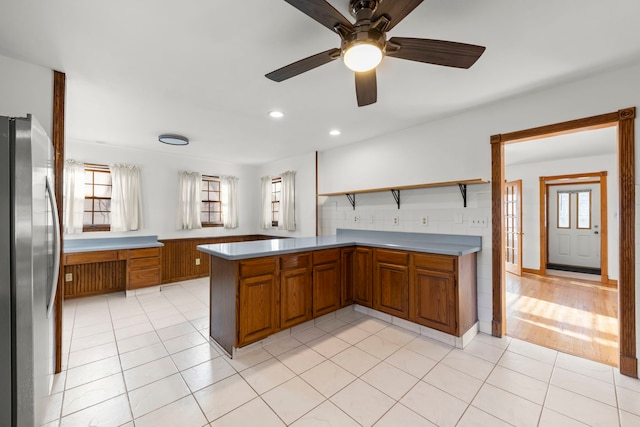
x=462 y=184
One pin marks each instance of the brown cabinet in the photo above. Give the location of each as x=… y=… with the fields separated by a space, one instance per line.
x=326 y=281
x=347 y=266
x=257 y=300
x=295 y=289
x=363 y=277
x=443 y=292
x=391 y=282
x=143 y=268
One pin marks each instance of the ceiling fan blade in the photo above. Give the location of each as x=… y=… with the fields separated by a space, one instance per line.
x=303 y=65
x=322 y=12
x=395 y=10
x=366 y=88
x=439 y=52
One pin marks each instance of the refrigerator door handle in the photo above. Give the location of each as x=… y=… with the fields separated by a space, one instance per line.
x=56 y=251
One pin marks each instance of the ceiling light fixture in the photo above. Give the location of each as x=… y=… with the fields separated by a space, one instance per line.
x=173 y=139
x=334 y=132
x=276 y=114
x=361 y=57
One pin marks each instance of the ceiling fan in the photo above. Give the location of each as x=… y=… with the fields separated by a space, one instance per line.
x=364 y=44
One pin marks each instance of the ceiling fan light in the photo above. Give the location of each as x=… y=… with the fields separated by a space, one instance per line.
x=362 y=57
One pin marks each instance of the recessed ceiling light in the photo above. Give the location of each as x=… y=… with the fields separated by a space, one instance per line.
x=334 y=132
x=173 y=139
x=276 y=114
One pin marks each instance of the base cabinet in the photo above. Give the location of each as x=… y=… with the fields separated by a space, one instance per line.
x=363 y=277
x=391 y=282
x=443 y=292
x=295 y=290
x=257 y=300
x=326 y=281
x=253 y=299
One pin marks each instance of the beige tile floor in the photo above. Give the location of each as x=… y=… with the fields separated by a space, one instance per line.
x=146 y=361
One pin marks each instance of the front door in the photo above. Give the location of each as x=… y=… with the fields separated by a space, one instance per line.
x=574 y=227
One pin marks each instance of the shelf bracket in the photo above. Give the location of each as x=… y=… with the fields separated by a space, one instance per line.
x=396 y=196
x=463 y=191
x=352 y=199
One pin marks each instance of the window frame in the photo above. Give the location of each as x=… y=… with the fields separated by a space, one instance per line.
x=568 y=194
x=207 y=179
x=94 y=168
x=276 y=198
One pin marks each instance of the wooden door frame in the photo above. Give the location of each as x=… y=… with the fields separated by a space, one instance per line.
x=625 y=120
x=518 y=183
x=604 y=220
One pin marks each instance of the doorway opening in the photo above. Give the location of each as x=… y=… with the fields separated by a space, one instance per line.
x=624 y=121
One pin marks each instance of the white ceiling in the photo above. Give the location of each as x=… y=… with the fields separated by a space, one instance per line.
x=136 y=69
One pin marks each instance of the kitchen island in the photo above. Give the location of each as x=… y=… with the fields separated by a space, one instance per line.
x=263 y=287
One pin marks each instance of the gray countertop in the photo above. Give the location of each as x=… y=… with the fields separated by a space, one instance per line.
x=110 y=244
x=444 y=244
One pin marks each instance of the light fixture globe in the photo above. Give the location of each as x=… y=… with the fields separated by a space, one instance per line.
x=361 y=57
x=173 y=139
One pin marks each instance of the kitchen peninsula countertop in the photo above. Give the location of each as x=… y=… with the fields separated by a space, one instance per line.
x=444 y=244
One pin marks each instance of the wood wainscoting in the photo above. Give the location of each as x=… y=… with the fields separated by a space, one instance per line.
x=179 y=256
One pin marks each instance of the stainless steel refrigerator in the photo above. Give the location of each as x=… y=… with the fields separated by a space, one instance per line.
x=29 y=261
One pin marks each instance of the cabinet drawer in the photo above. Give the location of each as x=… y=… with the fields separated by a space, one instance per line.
x=435 y=262
x=258 y=267
x=392 y=257
x=144 y=253
x=294 y=261
x=136 y=264
x=90 y=257
x=323 y=257
x=144 y=277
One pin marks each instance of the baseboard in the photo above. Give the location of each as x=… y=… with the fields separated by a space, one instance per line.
x=532 y=271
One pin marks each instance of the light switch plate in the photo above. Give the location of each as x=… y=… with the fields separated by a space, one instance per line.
x=457 y=218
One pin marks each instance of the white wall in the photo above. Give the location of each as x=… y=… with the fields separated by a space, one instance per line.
x=26 y=89
x=160 y=188
x=458 y=147
x=530 y=174
x=305 y=204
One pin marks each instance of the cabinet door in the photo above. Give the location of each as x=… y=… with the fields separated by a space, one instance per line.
x=348 y=271
x=326 y=288
x=433 y=300
x=257 y=312
x=295 y=297
x=391 y=289
x=362 y=277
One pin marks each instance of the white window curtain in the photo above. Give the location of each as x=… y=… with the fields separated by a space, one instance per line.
x=229 y=197
x=189 y=199
x=73 y=204
x=287 y=201
x=265 y=217
x=126 y=201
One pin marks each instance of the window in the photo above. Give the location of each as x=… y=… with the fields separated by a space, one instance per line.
x=584 y=210
x=564 y=210
x=97 y=198
x=276 y=190
x=211 y=213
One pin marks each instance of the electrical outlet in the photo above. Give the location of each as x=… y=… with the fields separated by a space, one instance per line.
x=68 y=277
x=457 y=218
x=395 y=220
x=424 y=221
x=356 y=218
x=197 y=261
x=479 y=222
x=371 y=219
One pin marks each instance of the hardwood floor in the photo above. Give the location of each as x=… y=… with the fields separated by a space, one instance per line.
x=571 y=315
